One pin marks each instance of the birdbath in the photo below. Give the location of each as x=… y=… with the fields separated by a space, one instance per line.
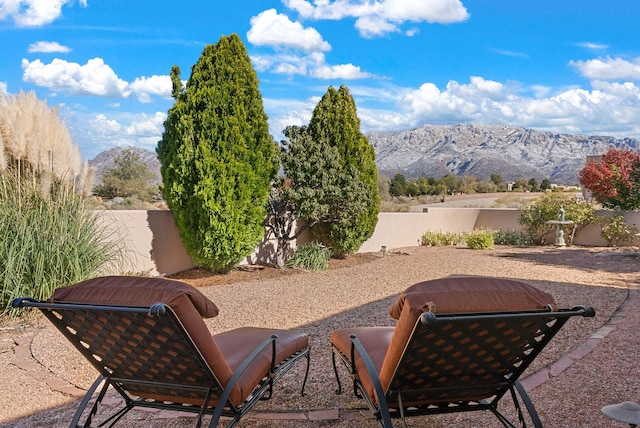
x=627 y=412
x=559 y=223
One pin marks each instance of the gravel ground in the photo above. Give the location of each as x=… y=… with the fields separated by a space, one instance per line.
x=357 y=292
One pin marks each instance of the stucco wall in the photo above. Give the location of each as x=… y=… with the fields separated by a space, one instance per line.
x=154 y=245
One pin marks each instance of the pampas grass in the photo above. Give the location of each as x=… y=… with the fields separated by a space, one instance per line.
x=49 y=239
x=34 y=138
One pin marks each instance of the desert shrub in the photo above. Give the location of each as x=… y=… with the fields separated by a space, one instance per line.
x=312 y=256
x=535 y=216
x=615 y=229
x=479 y=240
x=49 y=239
x=434 y=239
x=510 y=237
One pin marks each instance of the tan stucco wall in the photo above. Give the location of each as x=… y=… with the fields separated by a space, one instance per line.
x=154 y=245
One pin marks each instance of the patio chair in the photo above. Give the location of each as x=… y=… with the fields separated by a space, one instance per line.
x=460 y=344
x=148 y=340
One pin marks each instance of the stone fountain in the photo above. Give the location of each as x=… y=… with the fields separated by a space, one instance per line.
x=560 y=222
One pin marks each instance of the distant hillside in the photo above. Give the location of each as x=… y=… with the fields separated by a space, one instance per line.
x=482 y=150
x=105 y=160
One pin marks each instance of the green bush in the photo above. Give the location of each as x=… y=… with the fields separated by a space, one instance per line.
x=217 y=157
x=615 y=229
x=435 y=239
x=510 y=237
x=48 y=239
x=312 y=256
x=479 y=240
x=535 y=216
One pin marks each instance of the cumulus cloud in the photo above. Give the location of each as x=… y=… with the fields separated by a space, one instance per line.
x=609 y=108
x=107 y=130
x=381 y=17
x=48 y=47
x=93 y=78
x=608 y=68
x=342 y=71
x=3 y=88
x=147 y=126
x=104 y=126
x=270 y=28
x=33 y=13
x=144 y=87
x=311 y=65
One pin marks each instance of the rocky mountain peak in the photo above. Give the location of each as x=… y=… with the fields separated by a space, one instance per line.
x=482 y=150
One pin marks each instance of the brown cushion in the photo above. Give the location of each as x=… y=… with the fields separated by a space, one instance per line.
x=134 y=291
x=188 y=303
x=472 y=294
x=237 y=344
x=374 y=339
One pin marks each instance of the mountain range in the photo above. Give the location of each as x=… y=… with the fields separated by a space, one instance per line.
x=479 y=150
x=482 y=150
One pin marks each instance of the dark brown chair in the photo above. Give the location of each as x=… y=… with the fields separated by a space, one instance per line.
x=148 y=340
x=460 y=344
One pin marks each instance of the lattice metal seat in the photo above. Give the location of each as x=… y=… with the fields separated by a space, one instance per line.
x=452 y=362
x=162 y=355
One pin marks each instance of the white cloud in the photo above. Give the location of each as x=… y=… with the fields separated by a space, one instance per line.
x=592 y=46
x=144 y=87
x=270 y=28
x=33 y=13
x=3 y=88
x=108 y=130
x=510 y=53
x=608 y=68
x=375 y=18
x=48 y=47
x=93 y=78
x=311 y=65
x=104 y=126
x=608 y=108
x=147 y=126
x=342 y=71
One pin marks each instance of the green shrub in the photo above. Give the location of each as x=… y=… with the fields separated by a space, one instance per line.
x=510 y=237
x=535 y=216
x=615 y=229
x=479 y=240
x=435 y=239
x=312 y=256
x=48 y=239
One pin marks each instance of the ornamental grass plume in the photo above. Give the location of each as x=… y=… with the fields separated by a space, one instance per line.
x=35 y=139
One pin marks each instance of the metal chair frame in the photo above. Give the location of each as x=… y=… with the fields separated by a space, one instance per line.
x=459 y=363
x=145 y=352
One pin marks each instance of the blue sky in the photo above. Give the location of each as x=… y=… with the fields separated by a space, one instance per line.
x=570 y=66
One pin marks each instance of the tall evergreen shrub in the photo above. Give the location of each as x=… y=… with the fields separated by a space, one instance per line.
x=335 y=123
x=217 y=157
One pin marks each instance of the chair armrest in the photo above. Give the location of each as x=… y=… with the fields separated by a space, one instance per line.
x=224 y=397
x=382 y=401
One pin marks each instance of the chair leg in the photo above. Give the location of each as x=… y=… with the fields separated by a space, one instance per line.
x=335 y=370
x=85 y=401
x=535 y=419
x=306 y=373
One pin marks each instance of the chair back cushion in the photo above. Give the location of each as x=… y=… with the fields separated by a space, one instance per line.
x=189 y=305
x=455 y=295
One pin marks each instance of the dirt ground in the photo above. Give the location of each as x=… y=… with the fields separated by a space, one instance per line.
x=33 y=383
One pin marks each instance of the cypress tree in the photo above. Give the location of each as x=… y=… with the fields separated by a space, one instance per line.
x=335 y=123
x=217 y=157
